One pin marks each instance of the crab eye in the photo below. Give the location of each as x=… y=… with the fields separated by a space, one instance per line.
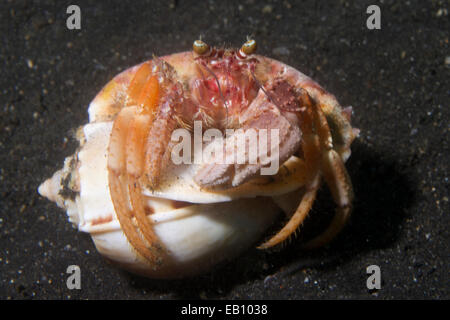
x=249 y=47
x=200 y=47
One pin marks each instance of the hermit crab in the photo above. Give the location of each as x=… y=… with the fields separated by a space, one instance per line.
x=161 y=217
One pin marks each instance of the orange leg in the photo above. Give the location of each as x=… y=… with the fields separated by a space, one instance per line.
x=156 y=148
x=298 y=217
x=125 y=161
x=311 y=153
x=118 y=182
x=320 y=158
x=134 y=162
x=337 y=179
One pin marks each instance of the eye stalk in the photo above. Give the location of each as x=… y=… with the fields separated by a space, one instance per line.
x=200 y=47
x=249 y=47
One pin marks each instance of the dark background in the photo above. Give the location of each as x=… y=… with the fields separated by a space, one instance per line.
x=395 y=78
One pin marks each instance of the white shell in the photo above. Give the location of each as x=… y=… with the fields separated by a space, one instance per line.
x=217 y=226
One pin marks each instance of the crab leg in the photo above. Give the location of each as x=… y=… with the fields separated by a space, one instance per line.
x=147 y=102
x=340 y=186
x=125 y=161
x=337 y=179
x=134 y=166
x=157 y=151
x=333 y=170
x=118 y=182
x=298 y=217
x=311 y=153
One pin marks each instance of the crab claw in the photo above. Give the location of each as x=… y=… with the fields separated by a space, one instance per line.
x=267 y=139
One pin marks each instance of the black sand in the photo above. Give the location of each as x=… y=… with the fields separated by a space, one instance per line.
x=395 y=78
